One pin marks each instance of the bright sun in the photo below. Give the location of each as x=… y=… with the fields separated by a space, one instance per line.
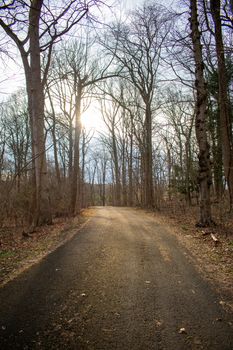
x=91 y=119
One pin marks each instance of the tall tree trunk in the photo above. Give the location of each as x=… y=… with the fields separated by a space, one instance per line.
x=215 y=133
x=2 y=153
x=130 y=169
x=104 y=165
x=103 y=192
x=116 y=169
x=55 y=148
x=149 y=190
x=82 y=177
x=187 y=173
x=70 y=156
x=42 y=212
x=224 y=103
x=75 y=205
x=169 y=166
x=200 y=122
x=124 y=187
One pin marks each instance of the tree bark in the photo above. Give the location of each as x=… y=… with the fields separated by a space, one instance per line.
x=116 y=169
x=205 y=218
x=55 y=148
x=75 y=204
x=149 y=190
x=130 y=169
x=224 y=103
x=42 y=214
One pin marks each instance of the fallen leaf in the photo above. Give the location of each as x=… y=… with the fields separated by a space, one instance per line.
x=182 y=331
x=158 y=323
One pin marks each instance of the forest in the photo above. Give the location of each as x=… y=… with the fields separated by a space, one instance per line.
x=155 y=84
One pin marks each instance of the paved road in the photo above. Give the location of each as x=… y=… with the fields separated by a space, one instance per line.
x=123 y=282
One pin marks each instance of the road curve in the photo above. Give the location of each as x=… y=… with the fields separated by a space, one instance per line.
x=123 y=282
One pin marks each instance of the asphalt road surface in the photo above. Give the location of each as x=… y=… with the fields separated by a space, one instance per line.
x=123 y=282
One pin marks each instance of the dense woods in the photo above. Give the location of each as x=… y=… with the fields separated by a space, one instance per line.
x=157 y=84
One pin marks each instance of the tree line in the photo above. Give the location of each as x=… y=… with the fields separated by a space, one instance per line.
x=162 y=81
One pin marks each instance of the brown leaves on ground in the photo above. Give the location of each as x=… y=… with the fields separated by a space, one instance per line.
x=19 y=251
x=215 y=258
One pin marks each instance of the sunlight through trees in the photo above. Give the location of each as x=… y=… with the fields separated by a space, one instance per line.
x=118 y=108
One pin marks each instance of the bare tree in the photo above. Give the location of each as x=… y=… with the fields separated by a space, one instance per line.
x=137 y=47
x=111 y=118
x=34 y=28
x=86 y=138
x=224 y=103
x=204 y=177
x=17 y=133
x=179 y=140
x=77 y=73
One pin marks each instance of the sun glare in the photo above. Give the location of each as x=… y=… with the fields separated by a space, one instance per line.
x=91 y=120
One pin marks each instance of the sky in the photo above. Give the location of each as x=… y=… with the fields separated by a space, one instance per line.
x=11 y=72
x=133 y=3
